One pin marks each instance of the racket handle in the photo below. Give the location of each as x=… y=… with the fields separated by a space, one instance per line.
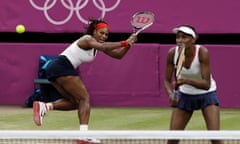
x=143 y=28
x=137 y=32
x=175 y=94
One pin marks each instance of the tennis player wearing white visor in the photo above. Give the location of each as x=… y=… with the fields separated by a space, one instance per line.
x=197 y=88
x=186 y=30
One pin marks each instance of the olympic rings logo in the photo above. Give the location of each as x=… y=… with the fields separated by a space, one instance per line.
x=69 y=5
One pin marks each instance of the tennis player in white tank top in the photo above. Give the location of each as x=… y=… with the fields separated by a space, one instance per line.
x=197 y=88
x=78 y=55
x=194 y=72
x=63 y=75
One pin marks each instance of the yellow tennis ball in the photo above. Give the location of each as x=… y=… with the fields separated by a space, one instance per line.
x=20 y=28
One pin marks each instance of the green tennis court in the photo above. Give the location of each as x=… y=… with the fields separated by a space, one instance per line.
x=109 y=118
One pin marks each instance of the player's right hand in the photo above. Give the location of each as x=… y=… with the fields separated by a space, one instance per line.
x=173 y=99
x=132 y=39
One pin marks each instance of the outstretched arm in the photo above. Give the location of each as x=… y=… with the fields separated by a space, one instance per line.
x=107 y=47
x=117 y=53
x=125 y=46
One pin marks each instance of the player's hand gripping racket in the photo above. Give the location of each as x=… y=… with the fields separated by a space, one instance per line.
x=142 y=20
x=178 y=67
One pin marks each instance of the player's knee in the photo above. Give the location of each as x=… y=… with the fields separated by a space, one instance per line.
x=84 y=98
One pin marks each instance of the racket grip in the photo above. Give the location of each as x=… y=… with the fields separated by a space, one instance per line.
x=175 y=94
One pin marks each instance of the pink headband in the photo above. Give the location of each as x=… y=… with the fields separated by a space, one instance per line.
x=101 y=25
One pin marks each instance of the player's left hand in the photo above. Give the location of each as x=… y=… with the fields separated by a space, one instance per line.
x=180 y=81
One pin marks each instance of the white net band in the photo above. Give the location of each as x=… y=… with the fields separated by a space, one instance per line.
x=118 y=137
x=121 y=134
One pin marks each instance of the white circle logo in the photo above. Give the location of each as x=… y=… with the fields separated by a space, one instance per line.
x=69 y=5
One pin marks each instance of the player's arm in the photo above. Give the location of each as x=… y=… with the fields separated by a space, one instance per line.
x=90 y=42
x=120 y=52
x=204 y=83
x=169 y=72
x=117 y=53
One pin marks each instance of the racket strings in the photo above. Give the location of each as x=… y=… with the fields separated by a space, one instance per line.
x=141 y=21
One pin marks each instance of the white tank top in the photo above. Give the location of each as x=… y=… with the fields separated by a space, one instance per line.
x=77 y=55
x=194 y=73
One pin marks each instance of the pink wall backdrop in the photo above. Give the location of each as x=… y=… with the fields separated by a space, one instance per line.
x=208 y=16
x=136 y=80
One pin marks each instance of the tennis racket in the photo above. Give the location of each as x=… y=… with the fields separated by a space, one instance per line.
x=180 y=61
x=141 y=21
x=179 y=66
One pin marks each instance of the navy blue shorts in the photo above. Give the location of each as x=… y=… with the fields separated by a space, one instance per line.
x=60 y=66
x=195 y=102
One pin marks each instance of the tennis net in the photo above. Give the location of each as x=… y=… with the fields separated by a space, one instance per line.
x=116 y=137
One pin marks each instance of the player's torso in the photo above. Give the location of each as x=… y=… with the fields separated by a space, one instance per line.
x=193 y=71
x=78 y=55
x=191 y=67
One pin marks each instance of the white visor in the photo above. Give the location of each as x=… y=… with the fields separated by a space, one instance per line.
x=185 y=30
